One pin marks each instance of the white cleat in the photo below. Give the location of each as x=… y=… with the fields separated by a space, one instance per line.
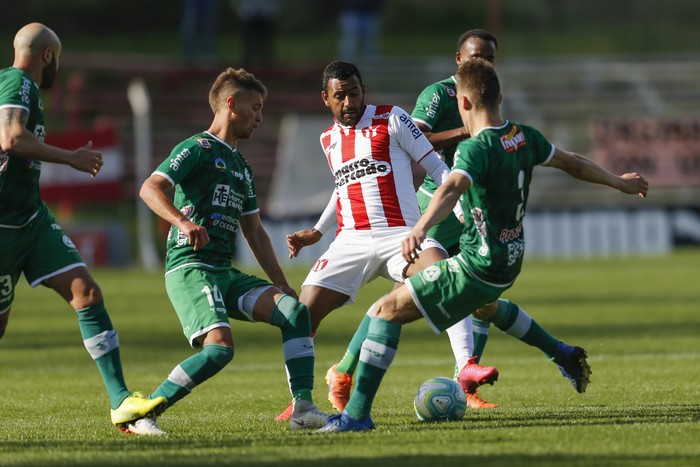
x=144 y=426
x=306 y=416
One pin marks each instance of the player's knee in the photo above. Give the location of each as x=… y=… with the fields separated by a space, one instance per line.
x=83 y=291
x=385 y=307
x=487 y=312
x=291 y=315
x=218 y=356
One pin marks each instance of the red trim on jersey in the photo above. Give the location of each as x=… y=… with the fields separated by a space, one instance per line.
x=355 y=195
x=425 y=155
x=387 y=185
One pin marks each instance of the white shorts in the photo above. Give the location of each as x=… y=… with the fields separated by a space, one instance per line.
x=357 y=257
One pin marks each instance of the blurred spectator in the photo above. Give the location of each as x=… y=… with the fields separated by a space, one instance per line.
x=259 y=27
x=360 y=24
x=198 y=29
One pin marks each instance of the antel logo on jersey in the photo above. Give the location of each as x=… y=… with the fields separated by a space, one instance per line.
x=26 y=88
x=431 y=109
x=177 y=160
x=408 y=121
x=358 y=170
x=513 y=140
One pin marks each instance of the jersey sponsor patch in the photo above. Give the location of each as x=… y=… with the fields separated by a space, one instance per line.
x=204 y=143
x=221 y=195
x=431 y=273
x=220 y=164
x=68 y=242
x=177 y=160
x=513 y=140
x=358 y=170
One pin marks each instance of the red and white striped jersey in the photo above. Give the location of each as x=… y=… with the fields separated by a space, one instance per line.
x=371 y=163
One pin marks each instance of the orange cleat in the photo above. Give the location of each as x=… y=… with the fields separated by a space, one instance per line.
x=339 y=385
x=286 y=414
x=476 y=402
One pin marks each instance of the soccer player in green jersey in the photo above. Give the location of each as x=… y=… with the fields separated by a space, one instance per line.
x=491 y=175
x=214 y=198
x=31 y=240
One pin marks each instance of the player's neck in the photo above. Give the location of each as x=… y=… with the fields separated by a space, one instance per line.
x=485 y=119
x=223 y=133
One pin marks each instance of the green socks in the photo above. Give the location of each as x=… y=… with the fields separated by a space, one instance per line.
x=102 y=344
x=513 y=320
x=352 y=354
x=292 y=317
x=193 y=371
x=377 y=353
x=481 y=335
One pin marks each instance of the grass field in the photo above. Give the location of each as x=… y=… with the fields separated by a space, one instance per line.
x=639 y=319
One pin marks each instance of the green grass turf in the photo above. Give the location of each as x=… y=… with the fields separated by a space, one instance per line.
x=639 y=319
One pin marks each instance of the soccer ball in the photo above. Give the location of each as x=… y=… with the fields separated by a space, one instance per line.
x=440 y=398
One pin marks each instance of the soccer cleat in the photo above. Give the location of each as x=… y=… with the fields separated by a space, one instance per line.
x=476 y=402
x=572 y=363
x=472 y=375
x=286 y=414
x=339 y=385
x=306 y=415
x=143 y=426
x=344 y=422
x=136 y=406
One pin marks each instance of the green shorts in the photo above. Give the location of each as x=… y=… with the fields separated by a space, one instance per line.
x=445 y=293
x=205 y=298
x=40 y=250
x=446 y=232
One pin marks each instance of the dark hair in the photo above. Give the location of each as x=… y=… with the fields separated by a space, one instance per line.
x=480 y=33
x=341 y=70
x=231 y=81
x=477 y=78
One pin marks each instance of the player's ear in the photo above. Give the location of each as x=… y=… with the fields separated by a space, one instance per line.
x=465 y=103
x=500 y=99
x=48 y=53
x=458 y=58
x=231 y=103
x=324 y=96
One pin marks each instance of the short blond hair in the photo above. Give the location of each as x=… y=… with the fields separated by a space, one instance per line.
x=477 y=78
x=232 y=81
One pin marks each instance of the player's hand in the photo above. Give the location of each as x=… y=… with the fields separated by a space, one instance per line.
x=410 y=246
x=86 y=160
x=197 y=235
x=300 y=239
x=288 y=290
x=633 y=183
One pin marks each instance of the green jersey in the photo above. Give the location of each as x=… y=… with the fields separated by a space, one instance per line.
x=436 y=107
x=19 y=177
x=499 y=163
x=213 y=188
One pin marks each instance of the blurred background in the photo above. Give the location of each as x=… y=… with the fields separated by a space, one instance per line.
x=617 y=81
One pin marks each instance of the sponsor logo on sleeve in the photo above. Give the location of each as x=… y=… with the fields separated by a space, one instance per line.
x=204 y=143
x=176 y=161
x=408 y=121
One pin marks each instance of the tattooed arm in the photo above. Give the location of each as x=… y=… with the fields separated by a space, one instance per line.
x=18 y=141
